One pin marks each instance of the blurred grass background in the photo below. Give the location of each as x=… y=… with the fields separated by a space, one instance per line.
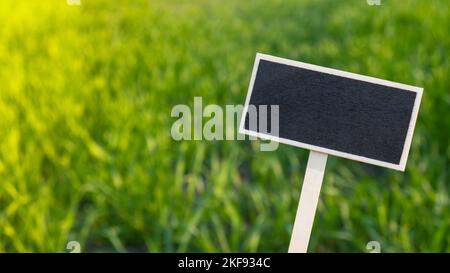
x=85 y=149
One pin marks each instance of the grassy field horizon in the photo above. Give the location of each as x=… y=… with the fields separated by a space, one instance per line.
x=86 y=154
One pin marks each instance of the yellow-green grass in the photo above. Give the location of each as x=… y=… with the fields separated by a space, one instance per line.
x=85 y=148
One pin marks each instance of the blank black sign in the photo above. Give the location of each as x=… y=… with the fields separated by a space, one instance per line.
x=336 y=112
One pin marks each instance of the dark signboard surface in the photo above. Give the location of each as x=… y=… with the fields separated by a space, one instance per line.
x=354 y=116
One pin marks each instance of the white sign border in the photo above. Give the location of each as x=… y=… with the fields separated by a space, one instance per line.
x=418 y=90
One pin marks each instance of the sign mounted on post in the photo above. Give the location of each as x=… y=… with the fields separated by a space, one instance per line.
x=329 y=111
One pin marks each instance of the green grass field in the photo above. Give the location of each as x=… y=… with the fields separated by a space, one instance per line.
x=85 y=148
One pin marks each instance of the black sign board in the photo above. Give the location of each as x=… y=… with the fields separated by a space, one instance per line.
x=335 y=112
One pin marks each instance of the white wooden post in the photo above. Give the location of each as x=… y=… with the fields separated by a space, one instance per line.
x=307 y=205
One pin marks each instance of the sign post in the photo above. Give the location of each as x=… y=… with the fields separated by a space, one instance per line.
x=331 y=112
x=307 y=205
